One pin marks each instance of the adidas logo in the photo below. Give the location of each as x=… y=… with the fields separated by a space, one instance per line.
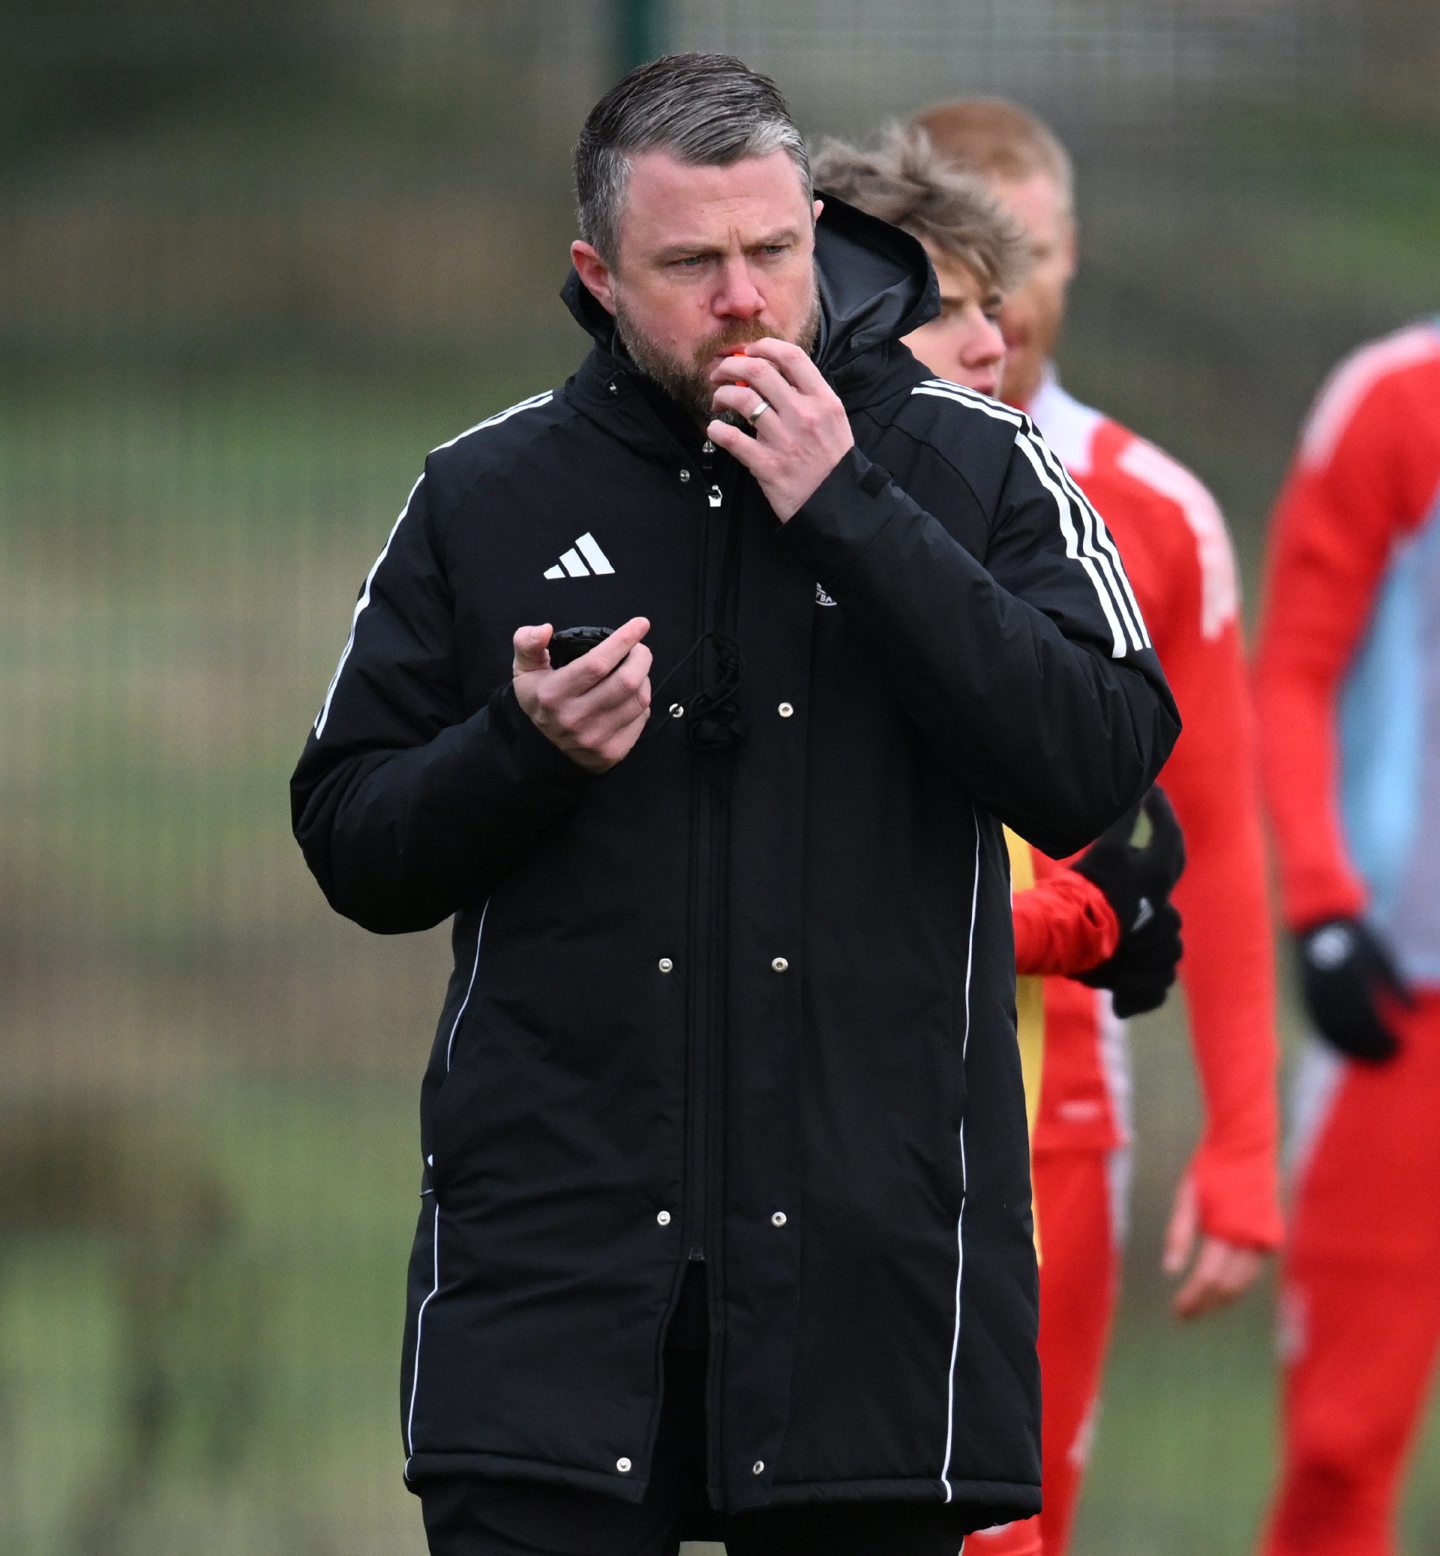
x=573 y=564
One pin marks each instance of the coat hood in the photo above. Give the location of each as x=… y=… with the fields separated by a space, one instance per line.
x=876 y=284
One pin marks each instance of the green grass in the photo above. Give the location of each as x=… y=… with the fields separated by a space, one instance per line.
x=1340 y=199
x=281 y=1354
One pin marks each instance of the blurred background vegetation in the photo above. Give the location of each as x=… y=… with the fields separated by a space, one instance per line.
x=256 y=259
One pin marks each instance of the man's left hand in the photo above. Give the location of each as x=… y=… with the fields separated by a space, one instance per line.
x=1220 y=1272
x=800 y=434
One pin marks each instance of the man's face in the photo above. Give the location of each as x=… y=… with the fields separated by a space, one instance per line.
x=709 y=259
x=1034 y=310
x=964 y=344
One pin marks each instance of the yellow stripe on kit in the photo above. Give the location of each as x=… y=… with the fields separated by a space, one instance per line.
x=1029 y=999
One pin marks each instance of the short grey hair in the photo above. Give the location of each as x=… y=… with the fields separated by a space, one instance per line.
x=708 y=110
x=905 y=181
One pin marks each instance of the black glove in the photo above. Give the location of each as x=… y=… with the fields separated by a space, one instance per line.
x=1345 y=973
x=1141 y=971
x=1137 y=880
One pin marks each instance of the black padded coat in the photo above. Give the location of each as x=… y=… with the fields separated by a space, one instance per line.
x=749 y=996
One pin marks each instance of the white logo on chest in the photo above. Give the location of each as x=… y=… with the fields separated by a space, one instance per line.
x=573 y=563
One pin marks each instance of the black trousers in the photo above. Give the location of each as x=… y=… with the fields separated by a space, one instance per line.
x=466 y=1516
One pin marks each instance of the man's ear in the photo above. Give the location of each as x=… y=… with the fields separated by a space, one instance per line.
x=596 y=275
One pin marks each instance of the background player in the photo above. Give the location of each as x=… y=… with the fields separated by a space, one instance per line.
x=1348 y=680
x=1179 y=557
x=1108 y=919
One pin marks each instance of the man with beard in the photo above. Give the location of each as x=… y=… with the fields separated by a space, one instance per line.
x=725 y=1220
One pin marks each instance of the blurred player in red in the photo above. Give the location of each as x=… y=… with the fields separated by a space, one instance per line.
x=1107 y=918
x=1178 y=554
x=1348 y=681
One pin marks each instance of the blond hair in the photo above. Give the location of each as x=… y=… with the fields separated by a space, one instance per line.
x=906 y=182
x=998 y=139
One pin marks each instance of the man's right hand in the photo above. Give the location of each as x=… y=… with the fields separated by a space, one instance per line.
x=595 y=708
x=1347 y=978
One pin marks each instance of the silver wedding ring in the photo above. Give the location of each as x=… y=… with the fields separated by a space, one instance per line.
x=761 y=406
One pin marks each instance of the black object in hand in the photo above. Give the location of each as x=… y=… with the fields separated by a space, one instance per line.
x=1345 y=975
x=568 y=644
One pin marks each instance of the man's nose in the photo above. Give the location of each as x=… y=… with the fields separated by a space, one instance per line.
x=985 y=346
x=738 y=296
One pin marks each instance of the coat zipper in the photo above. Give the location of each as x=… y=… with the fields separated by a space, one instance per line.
x=704 y=986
